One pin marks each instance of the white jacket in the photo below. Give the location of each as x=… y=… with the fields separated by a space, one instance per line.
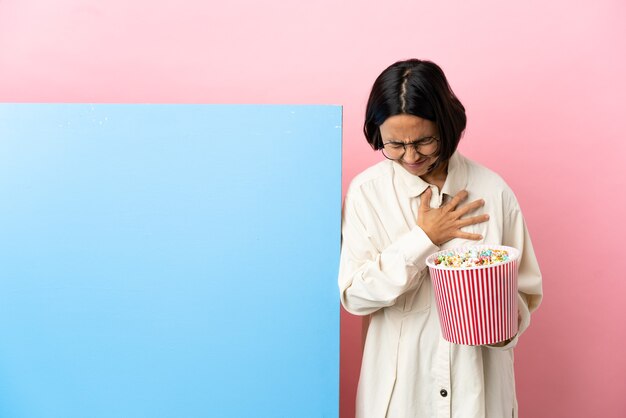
x=408 y=369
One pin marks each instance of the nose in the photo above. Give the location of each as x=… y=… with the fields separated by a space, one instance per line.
x=410 y=155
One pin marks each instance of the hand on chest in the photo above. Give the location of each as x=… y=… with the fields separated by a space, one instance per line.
x=397 y=215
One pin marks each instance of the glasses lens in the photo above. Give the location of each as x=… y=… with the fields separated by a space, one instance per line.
x=426 y=141
x=426 y=147
x=393 y=150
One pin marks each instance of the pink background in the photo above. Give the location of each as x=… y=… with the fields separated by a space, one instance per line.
x=543 y=84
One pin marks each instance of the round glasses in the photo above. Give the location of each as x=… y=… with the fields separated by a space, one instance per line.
x=396 y=150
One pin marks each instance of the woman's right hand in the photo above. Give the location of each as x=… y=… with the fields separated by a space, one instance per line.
x=444 y=223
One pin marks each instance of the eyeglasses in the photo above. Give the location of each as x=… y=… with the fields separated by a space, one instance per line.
x=396 y=150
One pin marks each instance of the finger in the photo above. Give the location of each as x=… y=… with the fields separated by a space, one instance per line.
x=467 y=235
x=469 y=207
x=425 y=200
x=458 y=198
x=471 y=221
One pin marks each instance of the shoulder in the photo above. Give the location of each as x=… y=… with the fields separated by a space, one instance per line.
x=488 y=183
x=478 y=173
x=372 y=177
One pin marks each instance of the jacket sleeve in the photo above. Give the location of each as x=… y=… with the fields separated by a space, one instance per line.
x=530 y=293
x=372 y=278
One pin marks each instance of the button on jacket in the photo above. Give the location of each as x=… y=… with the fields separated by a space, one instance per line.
x=408 y=369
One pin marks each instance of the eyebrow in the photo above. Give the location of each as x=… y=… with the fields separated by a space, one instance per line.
x=410 y=142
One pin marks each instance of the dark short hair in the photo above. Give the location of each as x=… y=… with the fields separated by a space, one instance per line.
x=419 y=88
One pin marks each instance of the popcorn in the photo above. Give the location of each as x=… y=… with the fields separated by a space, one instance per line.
x=472 y=258
x=476 y=293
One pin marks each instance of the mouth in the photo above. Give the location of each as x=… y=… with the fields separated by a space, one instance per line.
x=417 y=164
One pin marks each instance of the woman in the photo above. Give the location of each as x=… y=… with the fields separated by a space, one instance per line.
x=398 y=212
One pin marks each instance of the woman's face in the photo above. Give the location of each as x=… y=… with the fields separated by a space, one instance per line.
x=409 y=128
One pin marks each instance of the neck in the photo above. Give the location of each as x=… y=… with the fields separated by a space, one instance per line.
x=438 y=176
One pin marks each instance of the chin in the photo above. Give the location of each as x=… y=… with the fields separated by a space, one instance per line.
x=417 y=169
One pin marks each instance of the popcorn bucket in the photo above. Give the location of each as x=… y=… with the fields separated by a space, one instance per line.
x=476 y=305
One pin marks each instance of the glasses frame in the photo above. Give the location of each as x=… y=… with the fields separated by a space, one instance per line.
x=415 y=144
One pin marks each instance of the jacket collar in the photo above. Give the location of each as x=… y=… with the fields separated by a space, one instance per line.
x=456 y=180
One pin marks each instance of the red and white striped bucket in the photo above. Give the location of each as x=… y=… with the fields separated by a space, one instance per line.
x=476 y=305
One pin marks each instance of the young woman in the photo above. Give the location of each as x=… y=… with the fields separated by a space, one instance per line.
x=397 y=213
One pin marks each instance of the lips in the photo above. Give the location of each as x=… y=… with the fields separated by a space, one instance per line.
x=417 y=164
x=417 y=168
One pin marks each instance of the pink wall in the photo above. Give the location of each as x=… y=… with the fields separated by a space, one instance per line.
x=542 y=80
